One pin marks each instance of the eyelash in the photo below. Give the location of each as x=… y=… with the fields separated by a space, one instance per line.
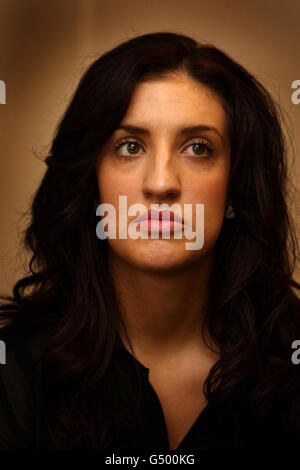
x=209 y=147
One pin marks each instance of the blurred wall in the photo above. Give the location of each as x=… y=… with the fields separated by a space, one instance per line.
x=46 y=45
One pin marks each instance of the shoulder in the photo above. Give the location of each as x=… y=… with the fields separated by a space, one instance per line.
x=280 y=428
x=21 y=353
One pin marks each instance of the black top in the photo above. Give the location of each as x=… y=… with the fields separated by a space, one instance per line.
x=226 y=426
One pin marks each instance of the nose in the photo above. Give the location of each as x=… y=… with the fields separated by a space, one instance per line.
x=161 y=179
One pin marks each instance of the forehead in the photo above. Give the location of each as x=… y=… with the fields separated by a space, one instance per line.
x=173 y=101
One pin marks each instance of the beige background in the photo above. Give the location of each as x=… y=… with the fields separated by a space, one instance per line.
x=46 y=45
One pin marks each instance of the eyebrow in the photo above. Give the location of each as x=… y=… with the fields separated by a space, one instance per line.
x=186 y=131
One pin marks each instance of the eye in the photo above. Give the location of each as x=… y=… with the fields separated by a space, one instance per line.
x=131 y=148
x=202 y=148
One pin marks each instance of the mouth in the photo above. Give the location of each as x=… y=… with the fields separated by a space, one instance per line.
x=160 y=221
x=154 y=215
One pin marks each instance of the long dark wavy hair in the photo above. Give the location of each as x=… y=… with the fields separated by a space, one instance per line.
x=254 y=314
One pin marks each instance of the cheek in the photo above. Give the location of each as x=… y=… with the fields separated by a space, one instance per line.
x=211 y=190
x=111 y=185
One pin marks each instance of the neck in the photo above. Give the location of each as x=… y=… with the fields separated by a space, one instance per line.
x=162 y=311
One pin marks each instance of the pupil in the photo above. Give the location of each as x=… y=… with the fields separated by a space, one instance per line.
x=132 y=147
x=198 y=147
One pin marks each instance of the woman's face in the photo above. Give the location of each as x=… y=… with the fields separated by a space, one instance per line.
x=160 y=162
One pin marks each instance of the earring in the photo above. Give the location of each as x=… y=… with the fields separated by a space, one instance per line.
x=229 y=213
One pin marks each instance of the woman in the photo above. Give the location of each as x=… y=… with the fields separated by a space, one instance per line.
x=141 y=343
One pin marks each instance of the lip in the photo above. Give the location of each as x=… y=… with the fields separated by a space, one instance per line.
x=153 y=214
x=160 y=226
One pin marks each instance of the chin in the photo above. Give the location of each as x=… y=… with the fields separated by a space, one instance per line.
x=155 y=255
x=159 y=260
x=159 y=267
